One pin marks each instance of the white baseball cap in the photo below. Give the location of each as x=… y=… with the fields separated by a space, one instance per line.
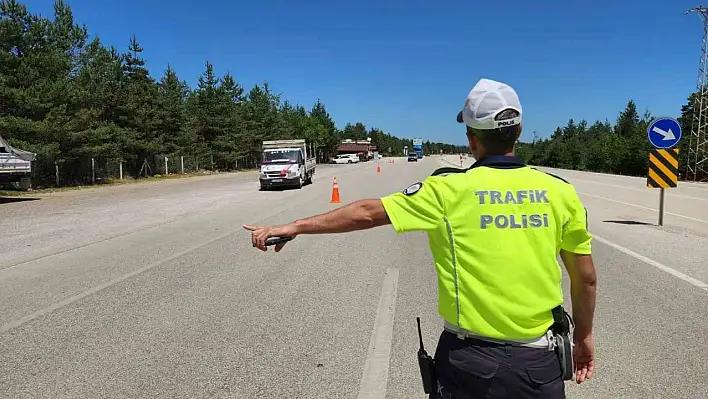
x=485 y=101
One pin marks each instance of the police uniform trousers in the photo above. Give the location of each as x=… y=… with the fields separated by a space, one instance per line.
x=473 y=368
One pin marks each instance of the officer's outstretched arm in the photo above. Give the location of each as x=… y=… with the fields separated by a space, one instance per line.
x=418 y=207
x=359 y=215
x=583 y=282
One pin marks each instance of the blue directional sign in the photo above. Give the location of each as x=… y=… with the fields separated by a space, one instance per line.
x=664 y=132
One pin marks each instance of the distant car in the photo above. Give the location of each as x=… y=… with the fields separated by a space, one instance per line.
x=345 y=158
x=413 y=157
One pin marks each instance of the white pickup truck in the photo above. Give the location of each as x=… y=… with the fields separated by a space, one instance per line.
x=286 y=163
x=15 y=165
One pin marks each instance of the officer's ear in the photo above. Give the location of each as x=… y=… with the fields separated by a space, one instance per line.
x=472 y=139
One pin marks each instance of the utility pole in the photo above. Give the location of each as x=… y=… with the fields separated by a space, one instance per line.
x=698 y=140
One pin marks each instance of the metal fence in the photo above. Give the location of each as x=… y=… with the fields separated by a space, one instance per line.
x=49 y=172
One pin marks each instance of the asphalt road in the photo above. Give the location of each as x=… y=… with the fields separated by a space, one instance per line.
x=153 y=290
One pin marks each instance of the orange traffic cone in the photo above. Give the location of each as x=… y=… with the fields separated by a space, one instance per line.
x=378 y=168
x=335 y=192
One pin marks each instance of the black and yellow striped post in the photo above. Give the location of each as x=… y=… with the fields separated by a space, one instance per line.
x=663 y=173
x=663 y=168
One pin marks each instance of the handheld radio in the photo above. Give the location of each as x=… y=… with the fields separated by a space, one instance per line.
x=277 y=240
x=427 y=365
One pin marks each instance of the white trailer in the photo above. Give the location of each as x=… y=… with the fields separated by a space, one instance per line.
x=15 y=165
x=287 y=163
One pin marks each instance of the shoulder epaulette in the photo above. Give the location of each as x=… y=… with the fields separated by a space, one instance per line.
x=448 y=170
x=551 y=174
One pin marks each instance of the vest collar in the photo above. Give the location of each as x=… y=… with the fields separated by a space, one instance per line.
x=499 y=162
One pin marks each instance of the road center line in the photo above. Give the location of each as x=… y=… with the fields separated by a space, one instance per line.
x=662 y=267
x=642 y=207
x=375 y=376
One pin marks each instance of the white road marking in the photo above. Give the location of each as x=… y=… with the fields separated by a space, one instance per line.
x=668 y=192
x=662 y=267
x=57 y=251
x=375 y=377
x=693 y=186
x=68 y=301
x=682 y=183
x=642 y=207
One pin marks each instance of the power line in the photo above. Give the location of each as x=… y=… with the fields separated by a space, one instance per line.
x=698 y=140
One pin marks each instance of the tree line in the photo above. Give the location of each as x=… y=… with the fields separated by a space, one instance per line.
x=620 y=148
x=74 y=100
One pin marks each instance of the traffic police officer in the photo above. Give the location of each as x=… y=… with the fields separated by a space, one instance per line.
x=495 y=232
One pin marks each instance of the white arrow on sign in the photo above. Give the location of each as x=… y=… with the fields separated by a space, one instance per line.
x=667 y=135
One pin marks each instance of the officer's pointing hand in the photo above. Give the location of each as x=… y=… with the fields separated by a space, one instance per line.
x=259 y=235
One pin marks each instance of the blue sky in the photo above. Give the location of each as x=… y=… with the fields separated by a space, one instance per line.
x=406 y=66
